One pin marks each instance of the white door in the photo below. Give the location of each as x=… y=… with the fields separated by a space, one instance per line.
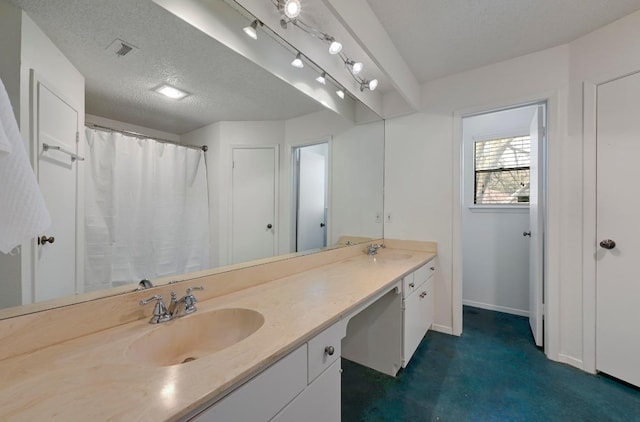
x=57 y=124
x=311 y=214
x=253 y=191
x=536 y=208
x=618 y=201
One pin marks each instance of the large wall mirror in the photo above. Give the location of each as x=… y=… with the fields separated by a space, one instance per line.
x=285 y=171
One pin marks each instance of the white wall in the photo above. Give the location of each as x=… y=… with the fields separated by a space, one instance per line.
x=495 y=254
x=423 y=159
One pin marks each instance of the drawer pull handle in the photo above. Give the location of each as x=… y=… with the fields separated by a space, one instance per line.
x=329 y=350
x=412 y=285
x=433 y=268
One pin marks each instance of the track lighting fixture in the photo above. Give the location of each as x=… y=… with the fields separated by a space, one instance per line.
x=297 y=62
x=353 y=66
x=290 y=8
x=334 y=46
x=322 y=78
x=250 y=30
x=370 y=85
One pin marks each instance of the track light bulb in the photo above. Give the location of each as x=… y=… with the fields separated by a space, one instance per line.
x=370 y=85
x=297 y=62
x=251 y=30
x=340 y=93
x=335 y=47
x=291 y=8
x=322 y=78
x=354 y=67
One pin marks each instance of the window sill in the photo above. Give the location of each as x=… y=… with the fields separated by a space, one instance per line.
x=506 y=209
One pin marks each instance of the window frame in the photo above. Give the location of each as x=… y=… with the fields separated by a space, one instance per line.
x=522 y=207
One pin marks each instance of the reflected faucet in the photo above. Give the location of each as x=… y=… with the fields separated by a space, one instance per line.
x=372 y=249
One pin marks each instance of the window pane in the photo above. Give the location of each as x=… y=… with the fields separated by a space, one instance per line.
x=502 y=171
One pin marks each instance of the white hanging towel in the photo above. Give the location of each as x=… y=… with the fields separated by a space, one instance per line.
x=23 y=213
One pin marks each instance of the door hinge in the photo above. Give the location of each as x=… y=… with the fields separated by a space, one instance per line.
x=77 y=137
x=233 y=164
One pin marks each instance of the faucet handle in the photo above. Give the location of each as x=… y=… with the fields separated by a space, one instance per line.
x=160 y=313
x=193 y=289
x=152 y=298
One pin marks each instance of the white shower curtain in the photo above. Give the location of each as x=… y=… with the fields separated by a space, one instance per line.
x=146 y=210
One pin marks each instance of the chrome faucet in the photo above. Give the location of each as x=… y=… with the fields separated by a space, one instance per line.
x=372 y=249
x=185 y=305
x=177 y=307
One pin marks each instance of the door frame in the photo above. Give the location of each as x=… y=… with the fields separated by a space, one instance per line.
x=551 y=210
x=276 y=193
x=295 y=174
x=589 y=217
x=29 y=255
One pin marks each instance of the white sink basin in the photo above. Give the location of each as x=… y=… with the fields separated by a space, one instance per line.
x=189 y=338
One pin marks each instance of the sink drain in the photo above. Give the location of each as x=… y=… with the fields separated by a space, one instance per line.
x=189 y=359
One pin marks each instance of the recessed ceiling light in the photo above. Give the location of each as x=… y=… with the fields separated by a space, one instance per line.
x=297 y=62
x=340 y=93
x=171 y=92
x=322 y=78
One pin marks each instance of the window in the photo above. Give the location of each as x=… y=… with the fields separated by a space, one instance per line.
x=501 y=168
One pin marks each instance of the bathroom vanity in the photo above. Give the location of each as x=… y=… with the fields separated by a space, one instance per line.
x=264 y=343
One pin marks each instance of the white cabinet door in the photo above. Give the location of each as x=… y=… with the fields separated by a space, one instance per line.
x=262 y=397
x=320 y=402
x=418 y=317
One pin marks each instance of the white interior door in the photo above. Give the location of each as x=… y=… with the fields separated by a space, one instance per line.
x=253 y=216
x=311 y=214
x=57 y=124
x=618 y=200
x=536 y=207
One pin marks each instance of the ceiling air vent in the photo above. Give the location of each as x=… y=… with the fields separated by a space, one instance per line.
x=121 y=48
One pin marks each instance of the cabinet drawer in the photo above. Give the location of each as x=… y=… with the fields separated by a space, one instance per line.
x=262 y=397
x=324 y=349
x=425 y=272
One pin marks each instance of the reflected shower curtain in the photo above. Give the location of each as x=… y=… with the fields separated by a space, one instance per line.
x=146 y=210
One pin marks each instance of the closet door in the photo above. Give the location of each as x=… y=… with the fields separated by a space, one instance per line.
x=618 y=231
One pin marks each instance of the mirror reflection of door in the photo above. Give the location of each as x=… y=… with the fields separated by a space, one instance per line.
x=310 y=187
x=55 y=272
x=253 y=192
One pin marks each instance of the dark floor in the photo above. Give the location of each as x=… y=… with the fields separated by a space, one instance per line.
x=493 y=372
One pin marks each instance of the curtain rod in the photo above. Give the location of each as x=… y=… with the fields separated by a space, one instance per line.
x=141 y=136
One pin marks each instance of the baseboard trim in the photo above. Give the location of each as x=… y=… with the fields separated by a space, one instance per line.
x=571 y=361
x=497 y=308
x=442 y=329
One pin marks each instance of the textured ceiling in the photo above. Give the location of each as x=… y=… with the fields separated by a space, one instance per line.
x=225 y=85
x=442 y=37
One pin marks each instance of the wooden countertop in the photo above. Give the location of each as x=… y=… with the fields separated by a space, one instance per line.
x=93 y=378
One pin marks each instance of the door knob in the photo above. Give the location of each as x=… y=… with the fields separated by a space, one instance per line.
x=269 y=225
x=322 y=224
x=42 y=240
x=608 y=244
x=527 y=233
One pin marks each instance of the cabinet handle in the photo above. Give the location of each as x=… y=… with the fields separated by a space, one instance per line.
x=412 y=285
x=433 y=268
x=329 y=350
x=423 y=294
